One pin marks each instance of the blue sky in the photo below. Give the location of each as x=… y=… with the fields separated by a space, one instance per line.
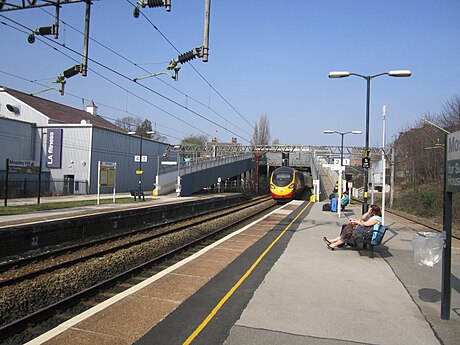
x=266 y=58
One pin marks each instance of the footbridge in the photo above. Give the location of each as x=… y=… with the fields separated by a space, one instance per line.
x=223 y=167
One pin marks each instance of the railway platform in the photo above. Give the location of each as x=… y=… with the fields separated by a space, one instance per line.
x=58 y=213
x=275 y=282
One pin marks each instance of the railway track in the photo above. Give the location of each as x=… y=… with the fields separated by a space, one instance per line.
x=15 y=271
x=28 y=298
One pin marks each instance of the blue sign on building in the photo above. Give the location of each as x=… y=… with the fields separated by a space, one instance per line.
x=54 y=148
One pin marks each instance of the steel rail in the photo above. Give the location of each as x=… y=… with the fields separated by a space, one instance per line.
x=71 y=262
x=34 y=318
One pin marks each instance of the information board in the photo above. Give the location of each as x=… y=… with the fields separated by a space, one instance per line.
x=23 y=167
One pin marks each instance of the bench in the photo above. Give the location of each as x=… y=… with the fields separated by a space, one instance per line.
x=138 y=194
x=373 y=240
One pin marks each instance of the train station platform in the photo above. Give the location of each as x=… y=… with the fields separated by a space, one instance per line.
x=58 y=213
x=275 y=282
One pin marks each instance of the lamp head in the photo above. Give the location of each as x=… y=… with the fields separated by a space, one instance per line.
x=329 y=131
x=339 y=74
x=400 y=73
x=356 y=132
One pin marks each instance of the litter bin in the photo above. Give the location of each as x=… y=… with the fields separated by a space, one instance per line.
x=427 y=248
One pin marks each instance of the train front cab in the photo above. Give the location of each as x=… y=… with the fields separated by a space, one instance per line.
x=282 y=184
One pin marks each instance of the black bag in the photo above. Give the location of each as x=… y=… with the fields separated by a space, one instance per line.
x=327 y=207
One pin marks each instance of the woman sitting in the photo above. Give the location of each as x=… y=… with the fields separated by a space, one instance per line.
x=357 y=229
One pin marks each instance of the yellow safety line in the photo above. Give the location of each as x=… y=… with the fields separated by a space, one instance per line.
x=242 y=279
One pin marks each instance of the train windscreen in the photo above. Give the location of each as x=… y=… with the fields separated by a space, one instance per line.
x=282 y=179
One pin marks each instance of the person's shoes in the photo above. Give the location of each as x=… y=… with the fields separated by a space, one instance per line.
x=329 y=247
x=326 y=241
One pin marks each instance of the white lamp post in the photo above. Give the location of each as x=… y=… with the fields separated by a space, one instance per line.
x=344 y=74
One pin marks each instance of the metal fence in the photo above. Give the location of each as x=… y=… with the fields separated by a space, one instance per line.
x=28 y=188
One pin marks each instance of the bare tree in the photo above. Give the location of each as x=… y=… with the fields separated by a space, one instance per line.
x=450 y=117
x=261 y=134
x=128 y=123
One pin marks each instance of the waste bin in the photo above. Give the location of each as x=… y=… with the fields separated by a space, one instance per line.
x=427 y=248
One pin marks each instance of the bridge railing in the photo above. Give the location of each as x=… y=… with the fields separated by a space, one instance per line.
x=211 y=162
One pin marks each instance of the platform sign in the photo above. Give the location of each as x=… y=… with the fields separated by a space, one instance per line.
x=137 y=158
x=453 y=162
x=345 y=161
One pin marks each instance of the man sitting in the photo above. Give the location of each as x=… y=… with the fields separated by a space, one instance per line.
x=345 y=200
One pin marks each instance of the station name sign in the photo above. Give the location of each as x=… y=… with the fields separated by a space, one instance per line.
x=453 y=162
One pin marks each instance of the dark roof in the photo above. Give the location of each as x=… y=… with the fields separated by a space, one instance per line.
x=59 y=113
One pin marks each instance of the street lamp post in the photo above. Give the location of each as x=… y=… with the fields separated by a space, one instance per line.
x=342 y=134
x=368 y=78
x=140 y=160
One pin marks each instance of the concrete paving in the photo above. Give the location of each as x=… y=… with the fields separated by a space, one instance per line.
x=316 y=296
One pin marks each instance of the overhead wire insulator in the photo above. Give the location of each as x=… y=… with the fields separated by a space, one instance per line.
x=151 y=3
x=188 y=56
x=74 y=70
x=155 y=3
x=46 y=30
x=43 y=31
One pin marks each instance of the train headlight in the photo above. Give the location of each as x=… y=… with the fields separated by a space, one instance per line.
x=291 y=186
x=272 y=186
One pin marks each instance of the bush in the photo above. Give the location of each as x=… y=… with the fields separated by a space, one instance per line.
x=427 y=201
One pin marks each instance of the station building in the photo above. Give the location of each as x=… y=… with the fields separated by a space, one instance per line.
x=68 y=143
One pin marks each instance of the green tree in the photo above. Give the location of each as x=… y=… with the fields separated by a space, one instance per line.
x=144 y=127
x=198 y=140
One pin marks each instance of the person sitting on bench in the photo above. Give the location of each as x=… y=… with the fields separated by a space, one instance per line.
x=345 y=200
x=357 y=228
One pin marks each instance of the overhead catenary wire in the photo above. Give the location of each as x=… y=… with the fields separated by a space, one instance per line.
x=128 y=78
x=133 y=94
x=161 y=80
x=193 y=67
x=99 y=103
x=87 y=100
